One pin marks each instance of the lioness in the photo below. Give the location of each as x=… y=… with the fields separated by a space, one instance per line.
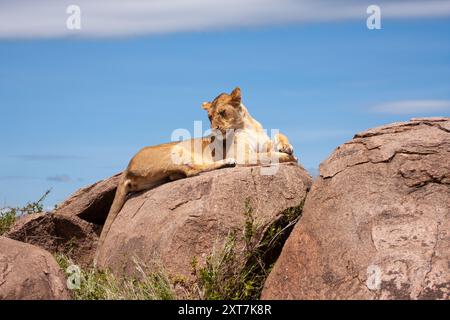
x=154 y=165
x=247 y=141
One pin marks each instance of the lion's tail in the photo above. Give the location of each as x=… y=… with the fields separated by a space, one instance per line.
x=119 y=201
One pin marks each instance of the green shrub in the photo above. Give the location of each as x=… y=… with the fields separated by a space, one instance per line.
x=223 y=277
x=8 y=215
x=7 y=219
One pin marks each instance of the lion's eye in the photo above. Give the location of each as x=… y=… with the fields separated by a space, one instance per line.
x=222 y=113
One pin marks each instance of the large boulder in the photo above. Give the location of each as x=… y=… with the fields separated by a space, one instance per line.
x=376 y=223
x=186 y=219
x=58 y=233
x=91 y=203
x=28 y=272
x=73 y=227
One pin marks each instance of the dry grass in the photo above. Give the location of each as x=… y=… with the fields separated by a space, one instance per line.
x=104 y=285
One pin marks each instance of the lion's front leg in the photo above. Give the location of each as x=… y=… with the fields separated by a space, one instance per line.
x=195 y=169
x=282 y=144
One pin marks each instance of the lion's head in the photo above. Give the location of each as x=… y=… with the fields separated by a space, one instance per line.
x=224 y=112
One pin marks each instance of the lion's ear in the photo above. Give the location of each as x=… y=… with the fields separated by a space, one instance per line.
x=236 y=97
x=206 y=105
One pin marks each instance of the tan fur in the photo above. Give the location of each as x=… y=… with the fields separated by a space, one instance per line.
x=250 y=143
x=155 y=165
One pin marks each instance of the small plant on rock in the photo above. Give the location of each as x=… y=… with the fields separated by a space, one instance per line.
x=8 y=215
x=223 y=275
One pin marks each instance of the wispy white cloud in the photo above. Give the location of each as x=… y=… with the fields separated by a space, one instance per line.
x=60 y=178
x=100 y=18
x=413 y=106
x=54 y=178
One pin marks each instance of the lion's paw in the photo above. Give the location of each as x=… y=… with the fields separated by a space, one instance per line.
x=230 y=162
x=285 y=148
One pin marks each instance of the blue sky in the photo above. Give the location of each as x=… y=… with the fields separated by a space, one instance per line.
x=75 y=109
